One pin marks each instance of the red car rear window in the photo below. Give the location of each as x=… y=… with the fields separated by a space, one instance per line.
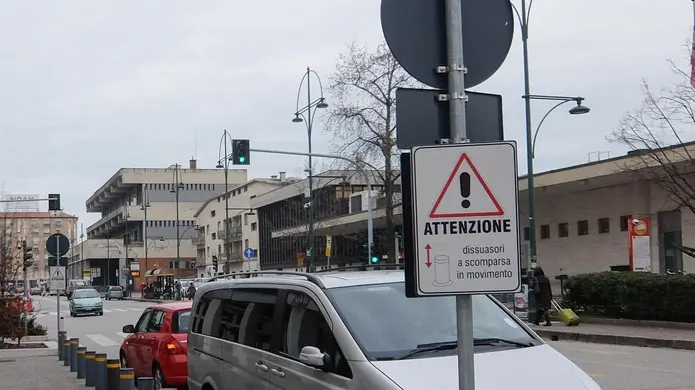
x=181 y=321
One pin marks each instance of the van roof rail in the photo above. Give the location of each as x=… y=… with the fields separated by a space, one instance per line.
x=364 y=267
x=309 y=277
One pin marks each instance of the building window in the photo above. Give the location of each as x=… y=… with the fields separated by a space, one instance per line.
x=214 y=236
x=545 y=232
x=604 y=225
x=526 y=233
x=212 y=213
x=563 y=229
x=254 y=226
x=583 y=228
x=623 y=222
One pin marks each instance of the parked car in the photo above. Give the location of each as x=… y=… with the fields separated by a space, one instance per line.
x=357 y=330
x=86 y=301
x=114 y=292
x=156 y=345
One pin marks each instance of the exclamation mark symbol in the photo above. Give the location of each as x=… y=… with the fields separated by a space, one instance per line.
x=465 y=182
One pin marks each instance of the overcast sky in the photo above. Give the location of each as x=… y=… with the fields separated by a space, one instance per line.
x=88 y=87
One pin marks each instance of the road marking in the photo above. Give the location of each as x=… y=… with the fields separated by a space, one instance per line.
x=135 y=308
x=119 y=310
x=102 y=340
x=106 y=311
x=124 y=335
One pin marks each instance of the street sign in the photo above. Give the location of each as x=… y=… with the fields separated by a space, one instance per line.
x=249 y=253
x=415 y=31
x=57 y=243
x=329 y=245
x=424 y=119
x=466 y=218
x=57 y=278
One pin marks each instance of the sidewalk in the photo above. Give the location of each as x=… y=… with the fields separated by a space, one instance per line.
x=37 y=373
x=621 y=334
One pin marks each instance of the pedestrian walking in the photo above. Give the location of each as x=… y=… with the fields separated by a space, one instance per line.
x=544 y=296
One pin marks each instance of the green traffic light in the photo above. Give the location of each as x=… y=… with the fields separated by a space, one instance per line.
x=242 y=159
x=375 y=259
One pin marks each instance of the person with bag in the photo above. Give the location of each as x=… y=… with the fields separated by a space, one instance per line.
x=544 y=296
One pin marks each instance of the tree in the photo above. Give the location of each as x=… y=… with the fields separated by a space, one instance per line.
x=658 y=134
x=11 y=307
x=362 y=117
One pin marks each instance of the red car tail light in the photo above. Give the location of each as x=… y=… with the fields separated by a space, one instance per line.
x=175 y=348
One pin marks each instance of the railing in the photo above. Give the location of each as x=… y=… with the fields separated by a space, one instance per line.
x=236 y=256
x=234 y=230
x=198 y=240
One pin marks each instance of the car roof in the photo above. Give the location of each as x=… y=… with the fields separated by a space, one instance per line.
x=173 y=306
x=324 y=280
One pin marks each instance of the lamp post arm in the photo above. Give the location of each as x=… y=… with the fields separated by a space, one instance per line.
x=538 y=128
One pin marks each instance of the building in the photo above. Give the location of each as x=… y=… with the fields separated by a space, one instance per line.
x=150 y=211
x=284 y=220
x=35 y=227
x=242 y=232
x=582 y=212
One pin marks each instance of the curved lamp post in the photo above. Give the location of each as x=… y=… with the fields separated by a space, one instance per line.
x=177 y=184
x=223 y=163
x=307 y=114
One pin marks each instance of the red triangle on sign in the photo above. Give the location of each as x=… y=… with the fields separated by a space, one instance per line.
x=480 y=202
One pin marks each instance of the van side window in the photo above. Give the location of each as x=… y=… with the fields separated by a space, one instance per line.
x=256 y=327
x=200 y=311
x=304 y=325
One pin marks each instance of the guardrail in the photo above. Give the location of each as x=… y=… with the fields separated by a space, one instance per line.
x=96 y=369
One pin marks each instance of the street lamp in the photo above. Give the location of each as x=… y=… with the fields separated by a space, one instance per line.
x=307 y=114
x=579 y=109
x=226 y=139
x=144 y=207
x=177 y=185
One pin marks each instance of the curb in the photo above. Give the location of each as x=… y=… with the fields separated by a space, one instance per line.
x=51 y=350
x=634 y=341
x=640 y=323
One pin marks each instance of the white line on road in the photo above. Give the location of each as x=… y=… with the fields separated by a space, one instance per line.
x=119 y=310
x=124 y=335
x=102 y=340
x=106 y=311
x=136 y=308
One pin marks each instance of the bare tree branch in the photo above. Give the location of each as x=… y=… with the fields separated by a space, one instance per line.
x=362 y=117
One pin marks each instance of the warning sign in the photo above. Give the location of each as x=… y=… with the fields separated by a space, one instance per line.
x=465 y=183
x=57 y=278
x=466 y=216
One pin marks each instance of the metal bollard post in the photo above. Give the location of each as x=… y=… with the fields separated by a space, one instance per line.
x=80 y=362
x=146 y=383
x=61 y=343
x=113 y=370
x=89 y=379
x=100 y=371
x=127 y=379
x=66 y=353
x=74 y=343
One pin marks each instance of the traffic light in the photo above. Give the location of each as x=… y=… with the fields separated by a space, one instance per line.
x=374 y=256
x=28 y=255
x=214 y=263
x=241 y=154
x=54 y=202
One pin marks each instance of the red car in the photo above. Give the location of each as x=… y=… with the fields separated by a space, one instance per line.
x=157 y=345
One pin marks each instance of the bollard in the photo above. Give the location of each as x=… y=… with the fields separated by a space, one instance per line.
x=100 y=371
x=74 y=343
x=80 y=362
x=61 y=343
x=127 y=379
x=146 y=383
x=113 y=370
x=66 y=353
x=89 y=368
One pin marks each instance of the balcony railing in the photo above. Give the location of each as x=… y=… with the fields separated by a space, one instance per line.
x=234 y=231
x=198 y=240
x=236 y=256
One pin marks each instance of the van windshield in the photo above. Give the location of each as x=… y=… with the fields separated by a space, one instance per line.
x=386 y=324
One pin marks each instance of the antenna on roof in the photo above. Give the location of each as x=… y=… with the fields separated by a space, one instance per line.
x=195 y=145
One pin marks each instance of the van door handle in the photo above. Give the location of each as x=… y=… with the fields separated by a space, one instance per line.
x=277 y=373
x=261 y=367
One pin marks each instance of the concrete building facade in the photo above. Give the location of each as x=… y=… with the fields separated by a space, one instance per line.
x=139 y=208
x=35 y=227
x=582 y=213
x=243 y=228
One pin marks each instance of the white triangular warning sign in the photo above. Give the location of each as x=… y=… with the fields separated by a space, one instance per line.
x=58 y=274
x=465 y=194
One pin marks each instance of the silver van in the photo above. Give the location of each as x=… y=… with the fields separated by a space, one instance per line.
x=357 y=330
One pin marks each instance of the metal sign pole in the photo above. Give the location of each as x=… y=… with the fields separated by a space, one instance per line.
x=57 y=291
x=457 y=114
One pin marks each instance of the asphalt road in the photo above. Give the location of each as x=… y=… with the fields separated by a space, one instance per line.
x=99 y=333
x=617 y=367
x=613 y=367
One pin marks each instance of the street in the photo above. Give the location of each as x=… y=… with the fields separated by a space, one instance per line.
x=99 y=333
x=614 y=367
x=617 y=367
